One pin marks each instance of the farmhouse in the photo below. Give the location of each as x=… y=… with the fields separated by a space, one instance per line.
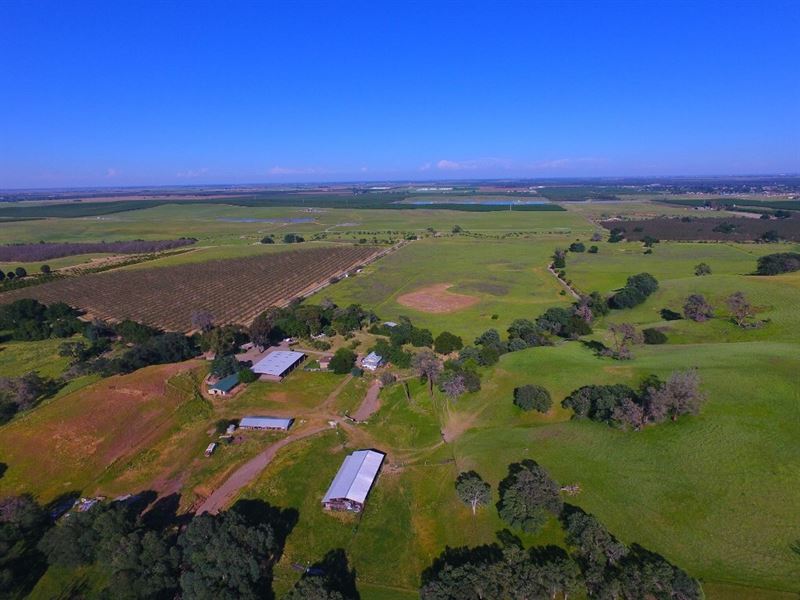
x=372 y=361
x=324 y=362
x=276 y=365
x=352 y=483
x=272 y=423
x=224 y=386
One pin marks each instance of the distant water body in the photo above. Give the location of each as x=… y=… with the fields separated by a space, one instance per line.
x=285 y=220
x=492 y=202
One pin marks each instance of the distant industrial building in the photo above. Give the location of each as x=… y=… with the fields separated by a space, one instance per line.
x=224 y=386
x=276 y=365
x=274 y=423
x=352 y=483
x=371 y=361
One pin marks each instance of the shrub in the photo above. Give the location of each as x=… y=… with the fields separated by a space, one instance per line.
x=447 y=342
x=697 y=308
x=636 y=290
x=45 y=269
x=702 y=269
x=533 y=397
x=246 y=375
x=293 y=238
x=593 y=249
x=670 y=315
x=224 y=365
x=268 y=239
x=342 y=361
x=654 y=336
x=577 y=247
x=782 y=262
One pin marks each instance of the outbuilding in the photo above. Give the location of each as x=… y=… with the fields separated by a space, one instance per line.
x=224 y=386
x=371 y=361
x=276 y=365
x=271 y=423
x=353 y=481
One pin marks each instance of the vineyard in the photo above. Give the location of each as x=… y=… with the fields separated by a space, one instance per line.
x=233 y=291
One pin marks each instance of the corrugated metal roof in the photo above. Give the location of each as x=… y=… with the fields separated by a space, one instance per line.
x=226 y=384
x=372 y=359
x=266 y=422
x=355 y=476
x=278 y=362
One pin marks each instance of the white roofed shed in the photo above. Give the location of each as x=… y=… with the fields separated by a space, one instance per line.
x=265 y=423
x=277 y=364
x=353 y=481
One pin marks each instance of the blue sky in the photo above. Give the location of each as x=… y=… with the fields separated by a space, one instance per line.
x=126 y=93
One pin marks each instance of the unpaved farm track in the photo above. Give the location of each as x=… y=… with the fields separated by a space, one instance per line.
x=248 y=472
x=224 y=494
x=370 y=404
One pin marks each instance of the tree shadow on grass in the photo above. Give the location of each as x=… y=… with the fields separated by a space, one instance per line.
x=163 y=513
x=598 y=348
x=282 y=520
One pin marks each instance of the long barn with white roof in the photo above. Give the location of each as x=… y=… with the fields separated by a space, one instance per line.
x=277 y=364
x=352 y=483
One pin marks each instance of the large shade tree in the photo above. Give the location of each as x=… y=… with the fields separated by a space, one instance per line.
x=528 y=497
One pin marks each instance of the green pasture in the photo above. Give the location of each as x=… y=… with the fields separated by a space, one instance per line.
x=508 y=277
x=215 y=224
x=19 y=358
x=776 y=299
x=712 y=493
x=715 y=493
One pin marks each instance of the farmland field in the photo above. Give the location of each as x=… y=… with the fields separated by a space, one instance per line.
x=713 y=493
x=234 y=291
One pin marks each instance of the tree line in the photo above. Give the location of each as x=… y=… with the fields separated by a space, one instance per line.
x=142 y=550
x=592 y=563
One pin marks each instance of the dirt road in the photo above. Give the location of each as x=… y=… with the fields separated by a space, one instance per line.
x=245 y=474
x=249 y=471
x=370 y=404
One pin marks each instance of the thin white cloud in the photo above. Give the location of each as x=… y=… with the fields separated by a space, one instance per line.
x=473 y=164
x=564 y=163
x=191 y=173
x=111 y=172
x=279 y=171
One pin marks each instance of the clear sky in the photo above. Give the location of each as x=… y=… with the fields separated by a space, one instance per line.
x=126 y=93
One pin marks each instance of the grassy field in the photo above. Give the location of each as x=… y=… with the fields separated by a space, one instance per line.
x=716 y=493
x=508 y=278
x=711 y=493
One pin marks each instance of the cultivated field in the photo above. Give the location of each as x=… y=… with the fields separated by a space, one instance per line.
x=715 y=493
x=234 y=291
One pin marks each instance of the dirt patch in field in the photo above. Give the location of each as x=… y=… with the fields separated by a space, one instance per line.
x=437 y=299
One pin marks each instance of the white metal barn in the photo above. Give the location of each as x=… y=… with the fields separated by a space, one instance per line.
x=352 y=483
x=278 y=423
x=275 y=365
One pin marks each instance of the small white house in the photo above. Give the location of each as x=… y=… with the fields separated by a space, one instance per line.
x=371 y=361
x=210 y=449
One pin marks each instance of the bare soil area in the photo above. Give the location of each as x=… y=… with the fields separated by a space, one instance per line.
x=437 y=299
